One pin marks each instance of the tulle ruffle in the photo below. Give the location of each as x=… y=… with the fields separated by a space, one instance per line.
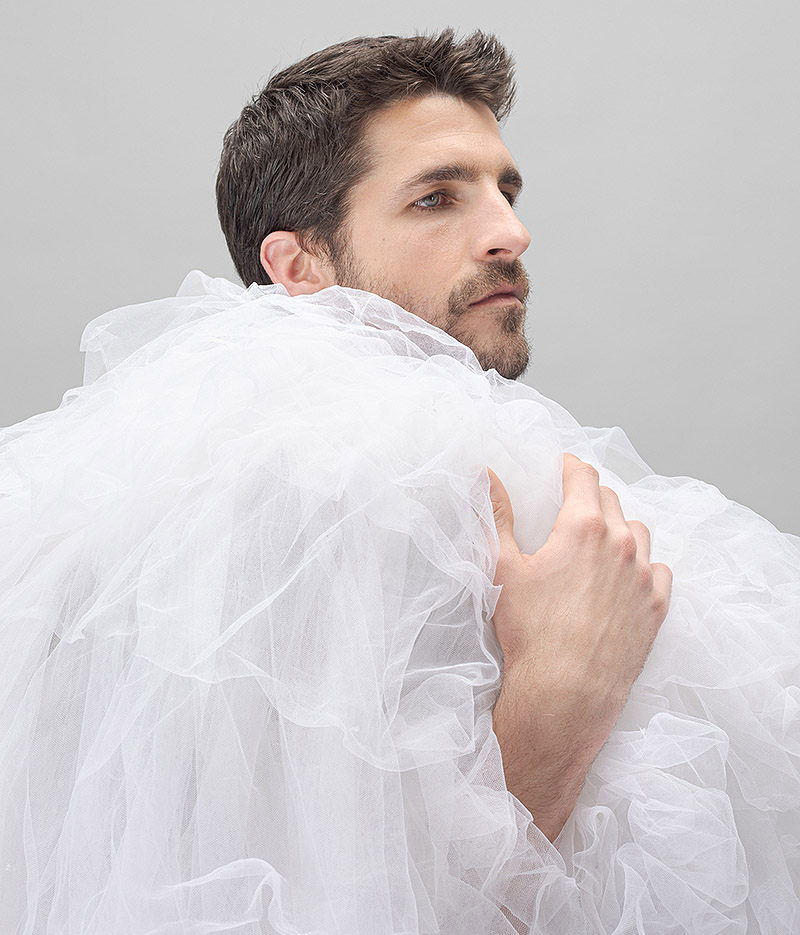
x=249 y=665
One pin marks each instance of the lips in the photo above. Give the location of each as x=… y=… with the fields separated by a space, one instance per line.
x=499 y=295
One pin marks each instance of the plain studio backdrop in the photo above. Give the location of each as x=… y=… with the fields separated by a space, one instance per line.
x=658 y=140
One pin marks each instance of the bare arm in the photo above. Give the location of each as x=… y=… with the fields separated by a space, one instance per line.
x=576 y=621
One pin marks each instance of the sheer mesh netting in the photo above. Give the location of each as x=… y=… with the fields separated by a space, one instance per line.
x=248 y=664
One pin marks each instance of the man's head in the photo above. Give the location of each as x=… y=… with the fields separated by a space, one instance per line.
x=378 y=164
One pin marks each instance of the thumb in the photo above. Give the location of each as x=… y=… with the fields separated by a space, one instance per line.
x=503 y=513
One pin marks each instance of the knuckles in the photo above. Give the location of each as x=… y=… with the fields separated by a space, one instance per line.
x=645 y=576
x=606 y=493
x=640 y=526
x=589 y=472
x=660 y=604
x=625 y=547
x=590 y=526
x=665 y=570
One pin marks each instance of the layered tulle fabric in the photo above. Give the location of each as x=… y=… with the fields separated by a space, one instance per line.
x=248 y=664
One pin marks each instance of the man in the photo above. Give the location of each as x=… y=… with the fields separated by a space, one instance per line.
x=414 y=201
x=276 y=647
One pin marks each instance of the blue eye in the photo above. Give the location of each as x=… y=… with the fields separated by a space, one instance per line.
x=436 y=197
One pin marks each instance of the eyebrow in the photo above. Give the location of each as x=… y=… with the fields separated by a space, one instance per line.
x=458 y=172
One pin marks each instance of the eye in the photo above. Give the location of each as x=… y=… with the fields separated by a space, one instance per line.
x=430 y=202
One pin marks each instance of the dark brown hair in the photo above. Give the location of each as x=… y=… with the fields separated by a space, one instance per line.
x=292 y=157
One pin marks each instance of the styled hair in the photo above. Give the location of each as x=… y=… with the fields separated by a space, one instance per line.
x=291 y=159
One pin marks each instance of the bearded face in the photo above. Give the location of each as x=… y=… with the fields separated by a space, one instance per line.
x=498 y=292
x=432 y=227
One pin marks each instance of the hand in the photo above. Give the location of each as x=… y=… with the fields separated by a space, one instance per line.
x=576 y=621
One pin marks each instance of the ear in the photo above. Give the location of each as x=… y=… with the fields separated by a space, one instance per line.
x=289 y=265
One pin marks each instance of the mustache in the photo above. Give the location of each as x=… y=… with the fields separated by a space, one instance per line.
x=496 y=274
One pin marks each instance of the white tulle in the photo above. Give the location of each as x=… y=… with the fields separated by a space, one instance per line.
x=248 y=664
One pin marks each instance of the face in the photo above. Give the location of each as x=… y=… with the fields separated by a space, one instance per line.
x=432 y=226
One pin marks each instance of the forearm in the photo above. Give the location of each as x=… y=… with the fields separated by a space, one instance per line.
x=546 y=754
x=575 y=621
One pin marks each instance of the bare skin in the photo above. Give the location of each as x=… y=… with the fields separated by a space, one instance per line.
x=432 y=226
x=576 y=621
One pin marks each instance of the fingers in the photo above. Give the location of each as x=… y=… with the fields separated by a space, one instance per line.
x=612 y=510
x=642 y=536
x=581 y=485
x=611 y=507
x=662 y=581
x=583 y=492
x=503 y=513
x=580 y=480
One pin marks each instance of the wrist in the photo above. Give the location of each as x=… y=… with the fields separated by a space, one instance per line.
x=546 y=741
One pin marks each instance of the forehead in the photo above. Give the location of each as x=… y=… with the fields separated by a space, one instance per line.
x=413 y=135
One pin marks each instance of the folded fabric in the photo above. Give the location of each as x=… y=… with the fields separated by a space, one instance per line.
x=248 y=663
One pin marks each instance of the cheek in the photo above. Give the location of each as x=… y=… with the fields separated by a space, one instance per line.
x=435 y=253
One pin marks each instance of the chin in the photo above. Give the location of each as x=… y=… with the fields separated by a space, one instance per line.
x=510 y=358
x=511 y=367
x=508 y=353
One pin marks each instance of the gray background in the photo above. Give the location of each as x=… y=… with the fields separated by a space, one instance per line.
x=659 y=142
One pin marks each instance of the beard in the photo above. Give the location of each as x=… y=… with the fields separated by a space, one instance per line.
x=505 y=349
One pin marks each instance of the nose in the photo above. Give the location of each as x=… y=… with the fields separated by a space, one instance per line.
x=499 y=232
